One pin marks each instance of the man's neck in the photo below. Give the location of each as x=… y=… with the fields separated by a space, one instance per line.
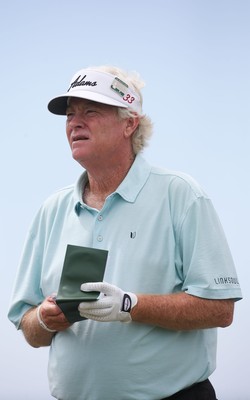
x=104 y=182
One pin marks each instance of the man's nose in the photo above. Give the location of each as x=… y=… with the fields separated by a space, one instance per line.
x=76 y=120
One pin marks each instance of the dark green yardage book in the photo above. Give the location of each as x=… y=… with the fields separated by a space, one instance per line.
x=81 y=265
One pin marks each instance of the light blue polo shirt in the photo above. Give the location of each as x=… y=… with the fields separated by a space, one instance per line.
x=163 y=236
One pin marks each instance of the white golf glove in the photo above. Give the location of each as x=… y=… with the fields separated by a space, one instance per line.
x=113 y=305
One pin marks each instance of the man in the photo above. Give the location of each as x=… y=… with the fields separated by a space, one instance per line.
x=169 y=273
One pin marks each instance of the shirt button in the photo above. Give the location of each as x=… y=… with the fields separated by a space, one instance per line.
x=100 y=217
x=99 y=238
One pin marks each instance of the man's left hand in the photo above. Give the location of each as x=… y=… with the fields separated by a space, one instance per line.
x=113 y=305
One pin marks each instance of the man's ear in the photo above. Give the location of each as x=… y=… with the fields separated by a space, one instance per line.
x=131 y=125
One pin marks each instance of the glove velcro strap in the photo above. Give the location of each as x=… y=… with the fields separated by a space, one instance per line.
x=126 y=303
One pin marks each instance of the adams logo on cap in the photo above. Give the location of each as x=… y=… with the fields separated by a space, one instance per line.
x=81 y=82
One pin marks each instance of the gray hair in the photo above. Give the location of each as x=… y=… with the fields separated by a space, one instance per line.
x=144 y=129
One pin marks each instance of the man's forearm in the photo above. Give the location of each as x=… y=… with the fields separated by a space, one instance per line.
x=182 y=311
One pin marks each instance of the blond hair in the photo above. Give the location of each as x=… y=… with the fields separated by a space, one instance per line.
x=144 y=129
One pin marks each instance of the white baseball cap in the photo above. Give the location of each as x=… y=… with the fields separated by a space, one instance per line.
x=98 y=86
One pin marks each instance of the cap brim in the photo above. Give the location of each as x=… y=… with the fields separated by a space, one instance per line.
x=58 y=105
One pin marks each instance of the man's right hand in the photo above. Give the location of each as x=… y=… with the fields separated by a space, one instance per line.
x=51 y=317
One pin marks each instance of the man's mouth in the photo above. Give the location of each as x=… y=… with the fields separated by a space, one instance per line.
x=77 y=138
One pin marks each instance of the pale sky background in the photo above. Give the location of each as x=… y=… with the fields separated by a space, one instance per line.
x=194 y=58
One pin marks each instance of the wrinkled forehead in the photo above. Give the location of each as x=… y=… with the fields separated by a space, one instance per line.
x=75 y=101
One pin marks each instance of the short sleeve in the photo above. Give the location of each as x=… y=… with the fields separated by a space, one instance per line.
x=27 y=291
x=208 y=267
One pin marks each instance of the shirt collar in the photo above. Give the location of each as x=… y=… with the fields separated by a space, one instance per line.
x=134 y=180
x=78 y=190
x=129 y=188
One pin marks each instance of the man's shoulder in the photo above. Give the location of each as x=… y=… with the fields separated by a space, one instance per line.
x=178 y=181
x=61 y=194
x=59 y=200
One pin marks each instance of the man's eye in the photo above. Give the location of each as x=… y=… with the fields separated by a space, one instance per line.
x=69 y=115
x=90 y=111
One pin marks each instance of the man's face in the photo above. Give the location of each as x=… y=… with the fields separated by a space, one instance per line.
x=94 y=131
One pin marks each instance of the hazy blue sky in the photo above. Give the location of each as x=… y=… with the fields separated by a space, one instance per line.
x=194 y=58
